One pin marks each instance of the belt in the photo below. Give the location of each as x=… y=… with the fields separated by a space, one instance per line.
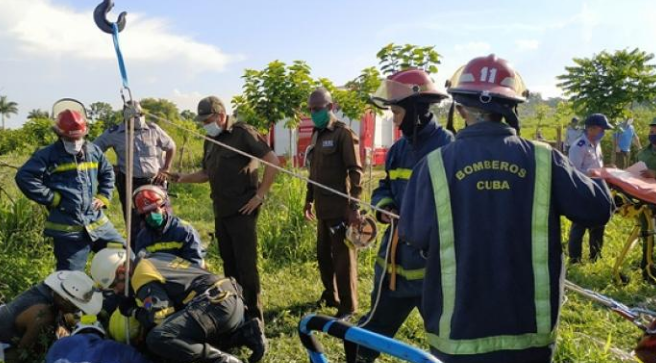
x=215 y=294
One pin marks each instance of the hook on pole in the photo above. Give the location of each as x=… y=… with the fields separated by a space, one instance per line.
x=100 y=17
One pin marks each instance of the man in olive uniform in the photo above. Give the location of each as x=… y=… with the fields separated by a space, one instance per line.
x=236 y=193
x=335 y=162
x=648 y=156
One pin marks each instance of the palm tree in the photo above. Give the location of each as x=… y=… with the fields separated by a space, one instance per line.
x=7 y=108
x=38 y=113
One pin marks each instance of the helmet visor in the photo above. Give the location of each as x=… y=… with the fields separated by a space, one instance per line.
x=68 y=104
x=391 y=92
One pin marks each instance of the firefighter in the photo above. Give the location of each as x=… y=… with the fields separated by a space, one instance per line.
x=409 y=94
x=186 y=312
x=41 y=308
x=87 y=344
x=335 y=162
x=164 y=231
x=586 y=155
x=485 y=210
x=74 y=180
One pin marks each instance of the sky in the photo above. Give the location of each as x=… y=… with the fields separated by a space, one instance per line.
x=185 y=50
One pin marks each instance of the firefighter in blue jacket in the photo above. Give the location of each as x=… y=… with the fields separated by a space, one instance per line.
x=399 y=269
x=74 y=180
x=164 y=231
x=486 y=210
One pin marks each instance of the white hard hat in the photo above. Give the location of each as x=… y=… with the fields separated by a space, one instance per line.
x=78 y=288
x=88 y=322
x=104 y=265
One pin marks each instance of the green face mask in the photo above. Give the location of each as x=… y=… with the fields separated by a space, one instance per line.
x=155 y=220
x=320 y=118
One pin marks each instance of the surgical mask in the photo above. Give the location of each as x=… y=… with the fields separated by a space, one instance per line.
x=600 y=135
x=73 y=147
x=155 y=220
x=320 y=118
x=139 y=123
x=212 y=129
x=652 y=139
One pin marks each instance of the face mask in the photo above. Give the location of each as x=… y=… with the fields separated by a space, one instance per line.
x=652 y=139
x=212 y=129
x=139 y=123
x=320 y=118
x=155 y=220
x=74 y=147
x=600 y=136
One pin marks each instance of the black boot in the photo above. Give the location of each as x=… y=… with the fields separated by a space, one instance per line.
x=213 y=355
x=252 y=336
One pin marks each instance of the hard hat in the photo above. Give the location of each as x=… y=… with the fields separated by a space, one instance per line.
x=88 y=322
x=598 y=119
x=78 y=288
x=148 y=197
x=363 y=236
x=407 y=83
x=491 y=79
x=71 y=123
x=104 y=265
x=117 y=327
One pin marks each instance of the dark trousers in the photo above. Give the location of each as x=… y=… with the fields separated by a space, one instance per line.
x=237 y=237
x=184 y=336
x=137 y=221
x=337 y=266
x=596 y=241
x=391 y=312
x=72 y=254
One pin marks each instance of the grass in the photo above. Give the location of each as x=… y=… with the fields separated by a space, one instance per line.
x=290 y=278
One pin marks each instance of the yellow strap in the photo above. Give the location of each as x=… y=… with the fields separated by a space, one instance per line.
x=73 y=166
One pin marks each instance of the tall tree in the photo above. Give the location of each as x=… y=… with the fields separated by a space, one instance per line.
x=393 y=58
x=38 y=113
x=610 y=83
x=7 y=108
x=100 y=111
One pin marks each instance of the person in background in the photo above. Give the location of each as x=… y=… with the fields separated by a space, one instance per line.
x=572 y=134
x=585 y=155
x=74 y=180
x=648 y=156
x=153 y=151
x=624 y=136
x=334 y=161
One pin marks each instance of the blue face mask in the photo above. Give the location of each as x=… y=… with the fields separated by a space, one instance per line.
x=652 y=139
x=600 y=135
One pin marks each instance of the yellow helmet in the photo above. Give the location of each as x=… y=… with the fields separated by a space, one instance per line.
x=117 y=327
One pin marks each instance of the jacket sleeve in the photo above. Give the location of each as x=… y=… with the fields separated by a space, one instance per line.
x=417 y=225
x=576 y=156
x=351 y=159
x=105 y=180
x=309 y=194
x=102 y=141
x=583 y=200
x=155 y=305
x=382 y=196
x=192 y=248
x=30 y=180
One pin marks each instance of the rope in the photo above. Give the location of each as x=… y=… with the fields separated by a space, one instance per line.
x=279 y=168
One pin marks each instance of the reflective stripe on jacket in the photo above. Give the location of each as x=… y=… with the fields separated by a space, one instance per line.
x=178 y=238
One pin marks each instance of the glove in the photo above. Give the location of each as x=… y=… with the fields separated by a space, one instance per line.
x=127 y=306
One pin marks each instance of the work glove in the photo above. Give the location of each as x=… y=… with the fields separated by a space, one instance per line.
x=127 y=306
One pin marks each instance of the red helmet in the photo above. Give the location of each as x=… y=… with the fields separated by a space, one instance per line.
x=407 y=83
x=489 y=77
x=148 y=198
x=71 y=123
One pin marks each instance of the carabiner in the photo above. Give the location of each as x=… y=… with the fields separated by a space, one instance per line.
x=100 y=17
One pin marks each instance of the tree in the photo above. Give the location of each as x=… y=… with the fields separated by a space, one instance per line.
x=610 y=83
x=160 y=107
x=100 y=111
x=7 y=108
x=38 y=113
x=393 y=58
x=188 y=115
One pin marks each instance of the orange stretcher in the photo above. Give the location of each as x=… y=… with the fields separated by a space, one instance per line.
x=635 y=197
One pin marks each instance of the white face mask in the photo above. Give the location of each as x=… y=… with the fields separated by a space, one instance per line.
x=212 y=129
x=74 y=147
x=139 y=122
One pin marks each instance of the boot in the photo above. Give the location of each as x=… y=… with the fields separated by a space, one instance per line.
x=213 y=355
x=252 y=336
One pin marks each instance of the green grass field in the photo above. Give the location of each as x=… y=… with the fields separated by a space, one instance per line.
x=290 y=279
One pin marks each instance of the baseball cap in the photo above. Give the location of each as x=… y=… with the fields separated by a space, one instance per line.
x=209 y=106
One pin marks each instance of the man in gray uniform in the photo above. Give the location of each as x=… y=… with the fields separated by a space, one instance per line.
x=585 y=155
x=153 y=154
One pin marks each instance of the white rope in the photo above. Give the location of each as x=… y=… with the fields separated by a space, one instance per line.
x=296 y=175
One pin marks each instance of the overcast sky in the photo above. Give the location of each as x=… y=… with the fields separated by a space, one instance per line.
x=185 y=50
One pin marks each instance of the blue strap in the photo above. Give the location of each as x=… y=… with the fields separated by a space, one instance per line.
x=119 y=55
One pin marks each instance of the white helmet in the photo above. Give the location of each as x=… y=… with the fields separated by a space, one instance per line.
x=78 y=288
x=88 y=322
x=104 y=265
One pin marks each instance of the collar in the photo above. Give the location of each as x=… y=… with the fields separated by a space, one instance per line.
x=121 y=126
x=589 y=143
x=486 y=128
x=425 y=132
